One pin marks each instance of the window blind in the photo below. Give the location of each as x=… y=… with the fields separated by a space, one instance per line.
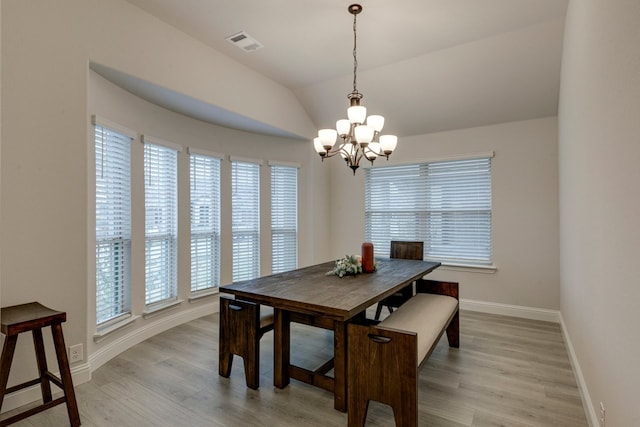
x=284 y=218
x=205 y=221
x=161 y=237
x=445 y=204
x=113 y=223
x=245 y=217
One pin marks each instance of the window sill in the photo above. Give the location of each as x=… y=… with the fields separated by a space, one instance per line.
x=155 y=309
x=205 y=293
x=103 y=332
x=469 y=268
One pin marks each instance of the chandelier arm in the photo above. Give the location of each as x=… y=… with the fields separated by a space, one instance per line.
x=340 y=149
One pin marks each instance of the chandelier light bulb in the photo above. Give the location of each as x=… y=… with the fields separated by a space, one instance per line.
x=376 y=122
x=372 y=151
x=357 y=114
x=364 y=134
x=388 y=143
x=343 y=126
x=317 y=144
x=327 y=137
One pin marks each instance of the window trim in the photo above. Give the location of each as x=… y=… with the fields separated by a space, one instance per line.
x=147 y=140
x=107 y=125
x=285 y=166
x=195 y=155
x=451 y=263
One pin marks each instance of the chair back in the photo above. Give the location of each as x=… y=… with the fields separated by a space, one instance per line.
x=407 y=250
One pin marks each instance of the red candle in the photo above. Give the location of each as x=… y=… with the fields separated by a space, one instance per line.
x=367 y=257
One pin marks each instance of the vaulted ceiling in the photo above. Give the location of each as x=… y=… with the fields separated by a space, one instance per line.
x=426 y=65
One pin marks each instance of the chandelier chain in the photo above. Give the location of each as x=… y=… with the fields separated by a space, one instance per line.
x=355 y=57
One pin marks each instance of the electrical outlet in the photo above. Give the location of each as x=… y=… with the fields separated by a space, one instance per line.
x=602 y=412
x=75 y=353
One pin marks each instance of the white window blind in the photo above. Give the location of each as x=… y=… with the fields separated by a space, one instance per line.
x=113 y=223
x=161 y=236
x=245 y=188
x=205 y=222
x=284 y=218
x=445 y=204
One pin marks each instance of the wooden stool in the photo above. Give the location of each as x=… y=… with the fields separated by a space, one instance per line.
x=33 y=317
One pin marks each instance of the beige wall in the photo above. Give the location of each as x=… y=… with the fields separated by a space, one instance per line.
x=46 y=216
x=45 y=225
x=599 y=204
x=525 y=208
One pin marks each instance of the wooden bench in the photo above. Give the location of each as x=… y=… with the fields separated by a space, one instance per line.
x=242 y=324
x=384 y=359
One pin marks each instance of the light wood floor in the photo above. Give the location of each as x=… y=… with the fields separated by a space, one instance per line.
x=507 y=372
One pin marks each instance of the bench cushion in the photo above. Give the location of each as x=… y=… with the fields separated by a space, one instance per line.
x=426 y=315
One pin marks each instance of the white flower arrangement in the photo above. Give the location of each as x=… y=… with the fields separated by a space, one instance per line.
x=350 y=265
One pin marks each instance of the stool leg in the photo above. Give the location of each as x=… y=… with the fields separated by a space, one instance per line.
x=65 y=374
x=41 y=358
x=7 y=356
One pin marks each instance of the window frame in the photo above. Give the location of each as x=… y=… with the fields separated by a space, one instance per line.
x=161 y=243
x=209 y=270
x=466 y=241
x=245 y=218
x=284 y=210
x=116 y=221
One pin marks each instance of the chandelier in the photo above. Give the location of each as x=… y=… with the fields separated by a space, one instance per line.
x=359 y=135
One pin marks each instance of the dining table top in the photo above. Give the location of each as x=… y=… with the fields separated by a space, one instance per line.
x=311 y=290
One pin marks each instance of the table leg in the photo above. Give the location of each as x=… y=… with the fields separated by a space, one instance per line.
x=281 y=347
x=340 y=365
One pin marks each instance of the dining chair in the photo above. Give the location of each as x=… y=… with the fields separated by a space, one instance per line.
x=242 y=324
x=401 y=250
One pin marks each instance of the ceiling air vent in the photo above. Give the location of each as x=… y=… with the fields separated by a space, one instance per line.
x=244 y=41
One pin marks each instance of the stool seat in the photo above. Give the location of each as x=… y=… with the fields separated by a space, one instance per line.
x=25 y=317
x=33 y=317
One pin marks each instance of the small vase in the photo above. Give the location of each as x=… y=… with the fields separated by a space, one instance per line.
x=367 y=257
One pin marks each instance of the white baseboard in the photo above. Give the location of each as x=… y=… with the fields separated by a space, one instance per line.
x=587 y=404
x=511 y=310
x=127 y=341
x=79 y=374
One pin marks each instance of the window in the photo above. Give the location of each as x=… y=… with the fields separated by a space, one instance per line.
x=161 y=235
x=284 y=218
x=445 y=204
x=205 y=221
x=113 y=221
x=245 y=218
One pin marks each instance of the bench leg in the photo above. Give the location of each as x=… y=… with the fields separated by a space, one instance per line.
x=252 y=363
x=453 y=331
x=225 y=357
x=407 y=414
x=240 y=335
x=358 y=412
x=383 y=367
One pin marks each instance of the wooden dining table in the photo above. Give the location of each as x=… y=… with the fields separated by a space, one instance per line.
x=309 y=296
